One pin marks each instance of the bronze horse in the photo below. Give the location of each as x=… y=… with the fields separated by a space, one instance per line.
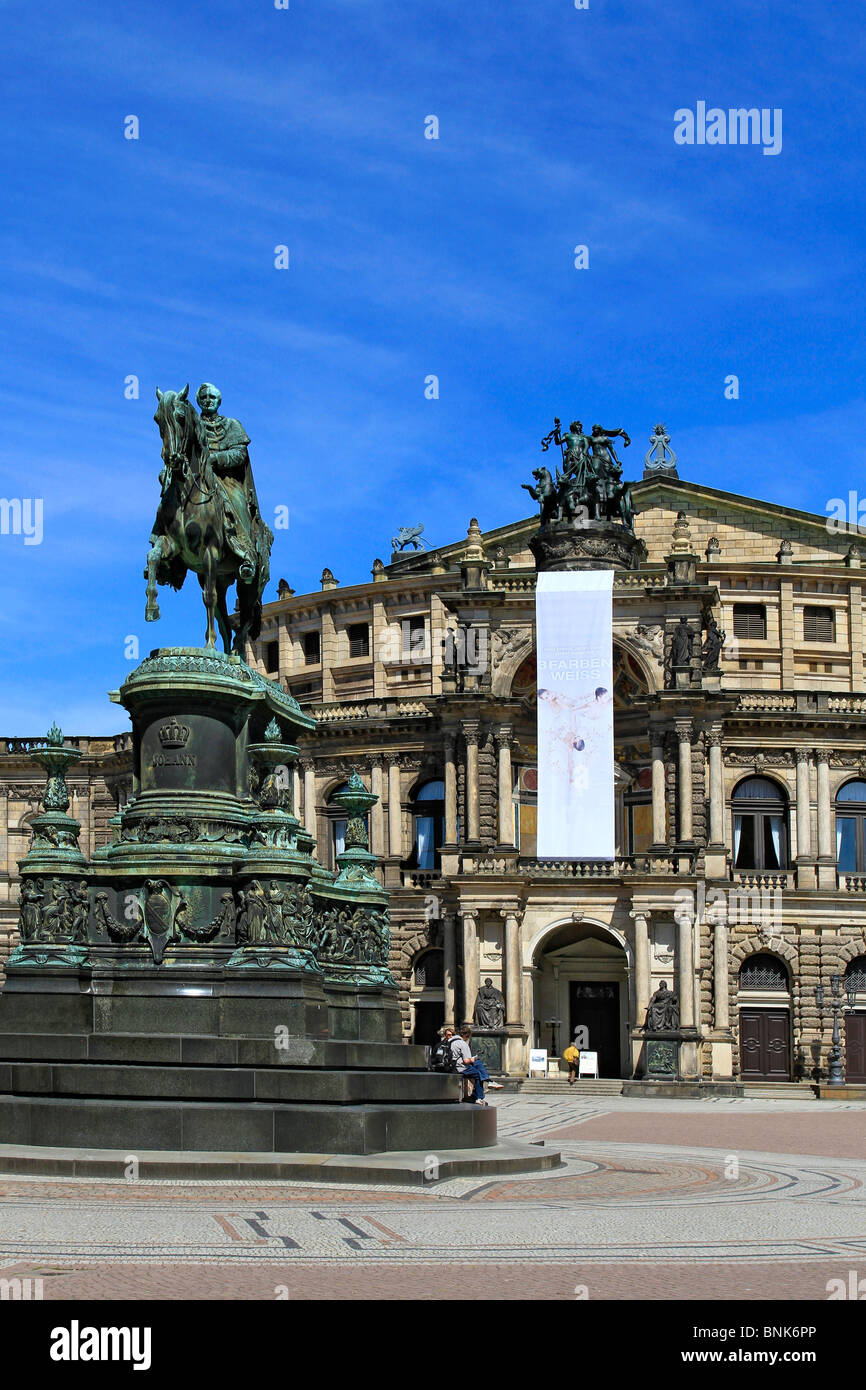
x=189 y=532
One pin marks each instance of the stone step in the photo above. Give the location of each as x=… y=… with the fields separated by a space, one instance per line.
x=310 y=1086
x=778 y=1090
x=242 y=1126
x=210 y=1050
x=398 y=1168
x=558 y=1086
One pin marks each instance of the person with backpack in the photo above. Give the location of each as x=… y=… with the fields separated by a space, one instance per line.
x=442 y=1058
x=471 y=1068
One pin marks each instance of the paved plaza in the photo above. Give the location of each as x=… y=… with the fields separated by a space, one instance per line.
x=722 y=1199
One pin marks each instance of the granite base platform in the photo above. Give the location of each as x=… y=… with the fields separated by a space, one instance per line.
x=412 y=1168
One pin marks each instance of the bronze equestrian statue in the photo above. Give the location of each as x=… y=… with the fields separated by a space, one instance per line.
x=208 y=519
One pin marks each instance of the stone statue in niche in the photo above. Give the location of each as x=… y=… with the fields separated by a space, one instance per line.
x=663 y=1013
x=489 y=1006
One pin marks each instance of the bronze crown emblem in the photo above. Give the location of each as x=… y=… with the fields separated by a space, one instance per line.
x=174 y=734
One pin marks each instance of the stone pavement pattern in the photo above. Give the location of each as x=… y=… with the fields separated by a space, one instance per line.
x=657 y=1200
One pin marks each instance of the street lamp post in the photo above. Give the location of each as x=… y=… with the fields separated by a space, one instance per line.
x=835 y=1076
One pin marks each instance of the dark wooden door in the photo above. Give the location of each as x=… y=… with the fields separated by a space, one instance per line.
x=765 y=1045
x=595 y=1006
x=855 y=1047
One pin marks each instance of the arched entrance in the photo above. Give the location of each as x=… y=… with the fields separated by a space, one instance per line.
x=427 y=996
x=581 y=981
x=854 y=984
x=764 y=1004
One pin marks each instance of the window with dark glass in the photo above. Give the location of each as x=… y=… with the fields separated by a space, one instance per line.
x=818 y=624
x=855 y=971
x=272 y=657
x=429 y=825
x=851 y=828
x=760 y=809
x=750 y=621
x=337 y=822
x=359 y=639
x=312 y=648
x=429 y=971
x=414 y=631
x=764 y=972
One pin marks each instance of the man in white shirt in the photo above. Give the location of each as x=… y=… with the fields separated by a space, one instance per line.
x=472 y=1067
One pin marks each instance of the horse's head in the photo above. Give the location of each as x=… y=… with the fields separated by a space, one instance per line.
x=179 y=427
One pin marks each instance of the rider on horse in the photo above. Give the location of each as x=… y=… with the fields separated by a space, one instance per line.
x=246 y=533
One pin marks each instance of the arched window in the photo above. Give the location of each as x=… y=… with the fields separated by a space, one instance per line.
x=855 y=972
x=525 y=797
x=764 y=972
x=428 y=815
x=851 y=828
x=427 y=996
x=429 y=970
x=638 y=813
x=760 y=809
x=337 y=821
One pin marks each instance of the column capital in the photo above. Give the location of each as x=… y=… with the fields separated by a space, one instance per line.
x=306 y=764
x=472 y=731
x=684 y=729
x=713 y=735
x=392 y=758
x=640 y=913
x=376 y=760
x=803 y=755
x=504 y=735
x=511 y=910
x=822 y=755
x=468 y=913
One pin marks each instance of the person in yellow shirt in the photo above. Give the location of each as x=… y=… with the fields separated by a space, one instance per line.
x=571 y=1056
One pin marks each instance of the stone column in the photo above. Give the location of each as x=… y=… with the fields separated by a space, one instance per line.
x=506 y=791
x=449 y=954
x=804 y=828
x=686 y=967
x=826 y=845
x=720 y=973
x=660 y=837
x=684 y=780
x=806 y=875
x=641 y=966
x=395 y=810
x=450 y=743
x=296 y=791
x=471 y=963
x=308 y=768
x=377 y=811
x=717 y=788
x=471 y=731
x=511 y=962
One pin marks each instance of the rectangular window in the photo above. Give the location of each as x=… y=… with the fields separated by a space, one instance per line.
x=272 y=657
x=359 y=639
x=846 y=844
x=750 y=621
x=414 y=632
x=818 y=625
x=312 y=648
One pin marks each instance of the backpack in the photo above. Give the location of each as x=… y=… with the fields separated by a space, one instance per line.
x=442 y=1056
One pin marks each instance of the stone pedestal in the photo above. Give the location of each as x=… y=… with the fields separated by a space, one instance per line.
x=668 y=1056
x=593 y=545
x=203 y=983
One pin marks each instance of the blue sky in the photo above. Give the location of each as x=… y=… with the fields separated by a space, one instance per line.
x=408 y=257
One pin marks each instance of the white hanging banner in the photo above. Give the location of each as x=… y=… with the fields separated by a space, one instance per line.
x=574 y=644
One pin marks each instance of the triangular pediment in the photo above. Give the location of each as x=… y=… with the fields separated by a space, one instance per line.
x=747 y=529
